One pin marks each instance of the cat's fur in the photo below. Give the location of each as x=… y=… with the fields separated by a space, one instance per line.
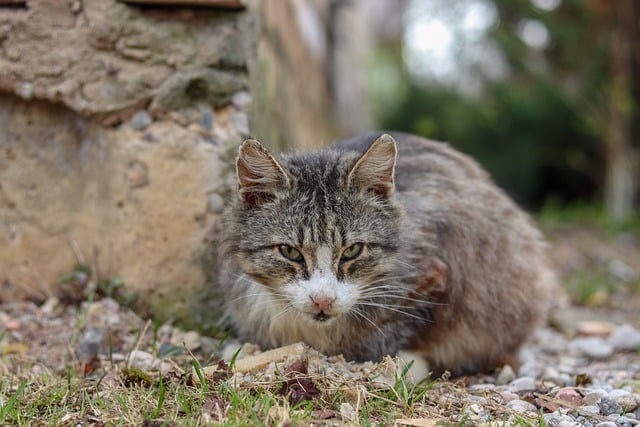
x=451 y=269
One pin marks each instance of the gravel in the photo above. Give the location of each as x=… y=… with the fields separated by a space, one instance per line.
x=563 y=380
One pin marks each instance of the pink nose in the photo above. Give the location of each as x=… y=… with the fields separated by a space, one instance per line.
x=323 y=303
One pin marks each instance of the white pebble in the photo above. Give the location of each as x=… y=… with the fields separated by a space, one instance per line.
x=625 y=338
x=606 y=424
x=506 y=375
x=590 y=410
x=594 y=396
x=593 y=347
x=521 y=406
x=522 y=384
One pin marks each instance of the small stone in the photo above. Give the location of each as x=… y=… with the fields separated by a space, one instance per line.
x=508 y=396
x=147 y=362
x=241 y=99
x=215 y=203
x=593 y=397
x=522 y=384
x=90 y=343
x=625 y=421
x=506 y=375
x=529 y=369
x=141 y=120
x=625 y=338
x=571 y=396
x=606 y=424
x=593 y=347
x=26 y=91
x=590 y=410
x=521 y=406
x=206 y=117
x=622 y=271
x=595 y=327
x=627 y=402
x=480 y=388
x=609 y=406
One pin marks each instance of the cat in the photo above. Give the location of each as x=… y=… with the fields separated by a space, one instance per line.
x=384 y=244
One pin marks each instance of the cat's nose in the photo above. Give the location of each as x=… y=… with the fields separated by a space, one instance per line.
x=322 y=303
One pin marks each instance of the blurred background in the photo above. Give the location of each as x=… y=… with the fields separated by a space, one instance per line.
x=544 y=93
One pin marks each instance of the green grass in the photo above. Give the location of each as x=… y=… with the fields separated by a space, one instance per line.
x=580 y=214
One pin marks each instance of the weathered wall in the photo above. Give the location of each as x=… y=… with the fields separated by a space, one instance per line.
x=118 y=128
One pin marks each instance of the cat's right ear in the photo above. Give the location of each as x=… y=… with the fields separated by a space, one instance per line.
x=259 y=174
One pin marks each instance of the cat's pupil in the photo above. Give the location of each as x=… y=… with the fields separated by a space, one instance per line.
x=352 y=251
x=290 y=253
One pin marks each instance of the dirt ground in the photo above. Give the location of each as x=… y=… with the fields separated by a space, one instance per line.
x=601 y=272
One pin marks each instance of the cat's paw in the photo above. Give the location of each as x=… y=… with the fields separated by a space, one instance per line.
x=418 y=369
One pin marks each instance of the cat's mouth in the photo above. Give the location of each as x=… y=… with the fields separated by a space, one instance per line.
x=321 y=316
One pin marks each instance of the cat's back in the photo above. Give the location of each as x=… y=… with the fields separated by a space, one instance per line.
x=421 y=159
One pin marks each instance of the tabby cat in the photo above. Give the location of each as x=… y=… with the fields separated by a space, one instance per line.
x=381 y=245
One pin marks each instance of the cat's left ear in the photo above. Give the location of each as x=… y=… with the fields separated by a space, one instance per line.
x=375 y=168
x=260 y=176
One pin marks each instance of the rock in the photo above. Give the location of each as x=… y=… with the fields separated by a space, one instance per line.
x=206 y=117
x=625 y=338
x=521 y=406
x=529 y=369
x=141 y=120
x=606 y=424
x=628 y=402
x=609 y=406
x=508 y=396
x=241 y=100
x=506 y=375
x=522 y=384
x=215 y=203
x=622 y=271
x=147 y=362
x=570 y=395
x=593 y=347
x=590 y=409
x=595 y=327
x=90 y=343
x=593 y=397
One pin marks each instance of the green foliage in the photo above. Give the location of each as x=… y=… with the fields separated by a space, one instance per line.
x=540 y=131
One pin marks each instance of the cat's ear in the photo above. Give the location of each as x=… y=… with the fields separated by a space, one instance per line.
x=375 y=168
x=259 y=174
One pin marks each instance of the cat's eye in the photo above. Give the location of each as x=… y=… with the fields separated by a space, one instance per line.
x=290 y=253
x=352 y=252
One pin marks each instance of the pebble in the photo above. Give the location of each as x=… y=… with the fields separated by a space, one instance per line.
x=590 y=409
x=625 y=338
x=522 y=384
x=141 y=120
x=215 y=203
x=206 y=117
x=593 y=347
x=606 y=424
x=593 y=397
x=506 y=375
x=609 y=406
x=241 y=100
x=521 y=406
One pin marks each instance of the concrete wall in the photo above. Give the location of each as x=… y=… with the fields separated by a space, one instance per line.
x=118 y=129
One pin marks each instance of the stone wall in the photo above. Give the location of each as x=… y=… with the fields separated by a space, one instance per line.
x=118 y=128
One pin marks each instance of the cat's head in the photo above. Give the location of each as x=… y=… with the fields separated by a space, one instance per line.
x=320 y=229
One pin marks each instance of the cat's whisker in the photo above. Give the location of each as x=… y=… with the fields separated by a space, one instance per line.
x=360 y=314
x=401 y=297
x=386 y=307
